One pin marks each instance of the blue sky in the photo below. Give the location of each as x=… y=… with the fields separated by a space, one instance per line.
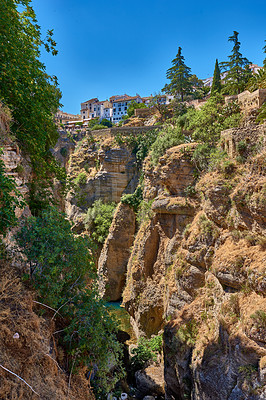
x=116 y=47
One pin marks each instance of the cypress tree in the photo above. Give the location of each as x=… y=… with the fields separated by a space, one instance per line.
x=216 y=83
x=237 y=68
x=179 y=74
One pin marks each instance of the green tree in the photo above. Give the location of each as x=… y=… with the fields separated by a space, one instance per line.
x=63 y=273
x=98 y=220
x=216 y=83
x=179 y=75
x=31 y=94
x=207 y=123
x=237 y=68
x=198 y=89
x=132 y=107
x=258 y=80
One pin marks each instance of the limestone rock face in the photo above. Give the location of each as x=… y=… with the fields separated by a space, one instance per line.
x=150 y=381
x=150 y=293
x=109 y=171
x=212 y=357
x=199 y=261
x=115 y=253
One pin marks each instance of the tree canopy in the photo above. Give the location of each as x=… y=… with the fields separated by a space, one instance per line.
x=216 y=83
x=237 y=68
x=179 y=75
x=25 y=87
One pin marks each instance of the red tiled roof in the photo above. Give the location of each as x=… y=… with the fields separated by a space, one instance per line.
x=95 y=100
x=128 y=98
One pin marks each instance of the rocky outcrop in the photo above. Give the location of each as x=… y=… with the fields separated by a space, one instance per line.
x=150 y=293
x=209 y=350
x=199 y=260
x=115 y=253
x=108 y=172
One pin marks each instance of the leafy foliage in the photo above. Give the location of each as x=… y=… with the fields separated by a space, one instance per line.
x=132 y=107
x=81 y=179
x=62 y=270
x=98 y=220
x=133 y=200
x=207 y=123
x=9 y=199
x=106 y=123
x=31 y=94
x=146 y=352
x=237 y=68
x=169 y=137
x=139 y=144
x=216 y=83
x=179 y=75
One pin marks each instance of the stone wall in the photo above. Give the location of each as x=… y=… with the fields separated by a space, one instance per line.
x=248 y=101
x=144 y=112
x=252 y=135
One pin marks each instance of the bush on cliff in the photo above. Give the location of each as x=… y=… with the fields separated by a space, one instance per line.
x=62 y=271
x=98 y=220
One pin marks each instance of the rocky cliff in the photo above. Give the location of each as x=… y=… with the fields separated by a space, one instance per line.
x=199 y=260
x=99 y=169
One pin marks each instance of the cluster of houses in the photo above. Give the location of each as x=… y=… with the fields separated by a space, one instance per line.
x=116 y=107
x=113 y=109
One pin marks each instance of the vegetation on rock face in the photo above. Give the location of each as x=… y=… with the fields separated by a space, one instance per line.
x=62 y=271
x=133 y=200
x=139 y=144
x=98 y=220
x=146 y=352
x=26 y=88
x=9 y=200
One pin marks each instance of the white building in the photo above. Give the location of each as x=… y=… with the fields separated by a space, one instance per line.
x=120 y=105
x=88 y=109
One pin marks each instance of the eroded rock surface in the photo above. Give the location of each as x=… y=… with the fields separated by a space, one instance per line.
x=115 y=253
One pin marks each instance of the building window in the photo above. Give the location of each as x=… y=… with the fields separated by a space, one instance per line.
x=119 y=109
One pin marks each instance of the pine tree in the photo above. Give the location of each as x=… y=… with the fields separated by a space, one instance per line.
x=237 y=68
x=179 y=75
x=216 y=83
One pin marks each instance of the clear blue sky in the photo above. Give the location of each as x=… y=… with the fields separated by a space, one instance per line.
x=115 y=47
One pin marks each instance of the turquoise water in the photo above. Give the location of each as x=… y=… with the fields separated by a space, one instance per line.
x=123 y=319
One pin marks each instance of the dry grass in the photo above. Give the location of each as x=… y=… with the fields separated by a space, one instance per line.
x=32 y=355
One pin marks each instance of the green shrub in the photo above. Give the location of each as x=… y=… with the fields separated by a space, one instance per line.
x=98 y=127
x=106 y=123
x=133 y=200
x=187 y=333
x=62 y=271
x=169 y=137
x=190 y=191
x=144 y=211
x=98 y=220
x=81 y=179
x=146 y=352
x=259 y=317
x=207 y=123
x=63 y=152
x=139 y=144
x=241 y=146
